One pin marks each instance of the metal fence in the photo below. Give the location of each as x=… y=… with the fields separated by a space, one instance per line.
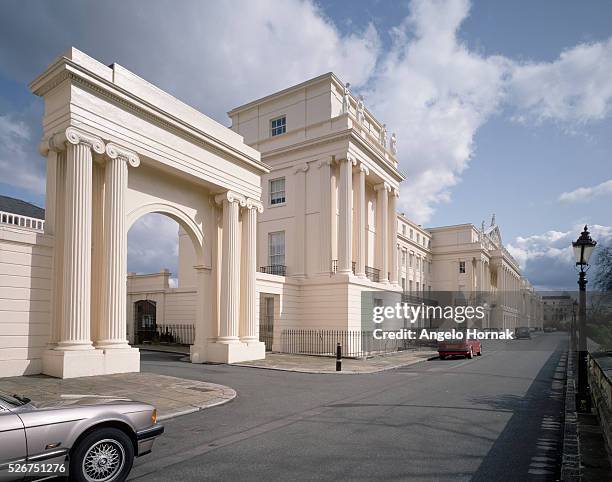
x=355 y=343
x=181 y=333
x=277 y=269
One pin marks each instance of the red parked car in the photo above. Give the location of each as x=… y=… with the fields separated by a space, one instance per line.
x=459 y=346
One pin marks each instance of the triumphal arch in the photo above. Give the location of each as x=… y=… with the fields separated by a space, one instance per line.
x=118 y=148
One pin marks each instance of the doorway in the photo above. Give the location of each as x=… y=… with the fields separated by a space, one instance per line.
x=266 y=320
x=145 y=317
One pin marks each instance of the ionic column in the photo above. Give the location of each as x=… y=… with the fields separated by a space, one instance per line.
x=325 y=225
x=300 y=218
x=393 y=235
x=249 y=326
x=361 y=221
x=55 y=152
x=112 y=330
x=97 y=250
x=382 y=230
x=345 y=227
x=229 y=309
x=75 y=330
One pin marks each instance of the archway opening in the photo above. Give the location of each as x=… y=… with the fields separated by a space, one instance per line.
x=161 y=282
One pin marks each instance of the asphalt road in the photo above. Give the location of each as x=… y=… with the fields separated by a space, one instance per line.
x=492 y=418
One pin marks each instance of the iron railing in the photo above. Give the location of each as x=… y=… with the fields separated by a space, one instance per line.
x=355 y=343
x=181 y=333
x=277 y=269
x=372 y=274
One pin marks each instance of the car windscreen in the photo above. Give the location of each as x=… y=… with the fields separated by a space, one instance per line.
x=14 y=400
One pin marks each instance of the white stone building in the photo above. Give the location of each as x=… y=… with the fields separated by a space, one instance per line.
x=286 y=219
x=118 y=148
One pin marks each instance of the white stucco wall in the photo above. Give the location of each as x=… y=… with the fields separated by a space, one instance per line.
x=25 y=299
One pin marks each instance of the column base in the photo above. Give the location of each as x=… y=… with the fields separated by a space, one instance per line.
x=73 y=363
x=216 y=352
x=86 y=363
x=121 y=360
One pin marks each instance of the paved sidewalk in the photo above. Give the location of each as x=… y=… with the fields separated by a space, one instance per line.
x=170 y=395
x=317 y=364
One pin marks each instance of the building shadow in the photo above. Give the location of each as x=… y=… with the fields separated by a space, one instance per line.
x=529 y=447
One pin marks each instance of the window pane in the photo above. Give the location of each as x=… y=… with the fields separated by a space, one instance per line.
x=278 y=126
x=276 y=248
x=277 y=191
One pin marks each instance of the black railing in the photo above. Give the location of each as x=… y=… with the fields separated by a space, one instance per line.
x=355 y=343
x=372 y=274
x=277 y=269
x=179 y=333
x=416 y=298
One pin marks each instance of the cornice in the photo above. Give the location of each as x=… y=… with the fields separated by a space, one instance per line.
x=348 y=134
x=66 y=69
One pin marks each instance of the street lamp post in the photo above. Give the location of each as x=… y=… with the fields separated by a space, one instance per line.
x=573 y=338
x=583 y=248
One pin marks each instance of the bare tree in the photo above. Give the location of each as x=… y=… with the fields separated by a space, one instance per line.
x=603 y=262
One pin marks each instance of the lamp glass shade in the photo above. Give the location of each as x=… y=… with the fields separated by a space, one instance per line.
x=578 y=253
x=588 y=250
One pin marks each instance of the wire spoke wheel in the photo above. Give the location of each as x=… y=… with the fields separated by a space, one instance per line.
x=103 y=461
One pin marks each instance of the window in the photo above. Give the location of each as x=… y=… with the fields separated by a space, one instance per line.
x=411 y=260
x=418 y=263
x=404 y=229
x=277 y=191
x=410 y=285
x=411 y=234
x=403 y=258
x=418 y=238
x=403 y=284
x=276 y=248
x=278 y=126
x=462 y=266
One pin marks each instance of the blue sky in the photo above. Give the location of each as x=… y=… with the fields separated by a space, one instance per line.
x=499 y=106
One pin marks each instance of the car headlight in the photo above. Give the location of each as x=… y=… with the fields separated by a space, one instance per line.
x=154 y=416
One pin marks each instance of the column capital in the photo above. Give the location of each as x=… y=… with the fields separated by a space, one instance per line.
x=230 y=196
x=302 y=167
x=57 y=142
x=117 y=152
x=381 y=186
x=348 y=158
x=254 y=204
x=325 y=162
x=363 y=168
x=395 y=192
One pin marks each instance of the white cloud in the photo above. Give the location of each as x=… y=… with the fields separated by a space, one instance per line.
x=435 y=93
x=23 y=166
x=575 y=88
x=153 y=245
x=547 y=259
x=587 y=193
x=429 y=87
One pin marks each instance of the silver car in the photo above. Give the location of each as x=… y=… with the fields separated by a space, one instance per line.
x=90 y=439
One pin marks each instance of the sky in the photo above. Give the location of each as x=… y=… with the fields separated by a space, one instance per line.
x=499 y=107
